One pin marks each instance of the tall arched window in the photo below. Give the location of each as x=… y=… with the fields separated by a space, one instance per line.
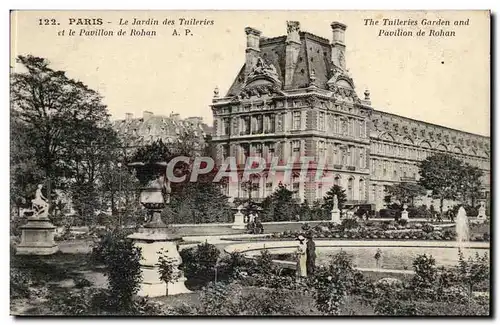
x=350 y=188
x=362 y=189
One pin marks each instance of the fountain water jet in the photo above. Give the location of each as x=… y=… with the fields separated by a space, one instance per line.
x=462 y=228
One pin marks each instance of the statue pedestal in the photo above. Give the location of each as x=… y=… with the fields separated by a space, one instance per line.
x=239 y=222
x=37 y=238
x=335 y=216
x=151 y=241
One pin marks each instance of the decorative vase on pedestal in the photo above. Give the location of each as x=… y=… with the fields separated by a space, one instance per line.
x=37 y=235
x=155 y=238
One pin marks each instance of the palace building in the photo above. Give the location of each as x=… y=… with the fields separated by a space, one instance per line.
x=294 y=97
x=136 y=132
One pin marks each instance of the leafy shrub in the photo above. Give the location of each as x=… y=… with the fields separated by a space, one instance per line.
x=198 y=264
x=232 y=265
x=305 y=227
x=427 y=228
x=95 y=302
x=473 y=271
x=229 y=300
x=264 y=263
x=390 y=306
x=19 y=283
x=425 y=272
x=402 y=222
x=389 y=213
x=348 y=224
x=122 y=267
x=386 y=225
x=333 y=283
x=450 y=233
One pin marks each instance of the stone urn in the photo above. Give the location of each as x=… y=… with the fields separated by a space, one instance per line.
x=155 y=238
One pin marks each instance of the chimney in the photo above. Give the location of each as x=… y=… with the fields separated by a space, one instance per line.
x=338 y=44
x=146 y=115
x=253 y=48
x=292 y=51
x=128 y=116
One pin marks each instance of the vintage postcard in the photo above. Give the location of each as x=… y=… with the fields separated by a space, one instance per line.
x=250 y=163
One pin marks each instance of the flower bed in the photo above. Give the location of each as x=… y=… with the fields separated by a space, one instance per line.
x=350 y=230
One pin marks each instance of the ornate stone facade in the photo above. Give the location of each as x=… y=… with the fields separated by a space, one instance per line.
x=298 y=99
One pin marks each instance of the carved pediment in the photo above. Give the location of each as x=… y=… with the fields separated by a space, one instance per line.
x=260 y=89
x=263 y=70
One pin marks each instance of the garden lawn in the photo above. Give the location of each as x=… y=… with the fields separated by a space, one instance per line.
x=304 y=303
x=53 y=275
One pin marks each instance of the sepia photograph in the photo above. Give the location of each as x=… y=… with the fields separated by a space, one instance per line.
x=250 y=163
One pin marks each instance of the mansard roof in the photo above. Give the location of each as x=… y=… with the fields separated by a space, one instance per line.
x=144 y=130
x=314 y=55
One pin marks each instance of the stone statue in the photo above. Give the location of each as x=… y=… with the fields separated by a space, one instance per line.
x=261 y=68
x=39 y=204
x=335 y=202
x=481 y=211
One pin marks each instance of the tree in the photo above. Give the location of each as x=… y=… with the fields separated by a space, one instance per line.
x=121 y=259
x=471 y=187
x=52 y=110
x=441 y=173
x=118 y=188
x=473 y=271
x=328 y=199
x=281 y=204
x=95 y=147
x=166 y=266
x=404 y=192
x=197 y=202
x=25 y=174
x=250 y=186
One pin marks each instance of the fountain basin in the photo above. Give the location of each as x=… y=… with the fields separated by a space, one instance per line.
x=396 y=255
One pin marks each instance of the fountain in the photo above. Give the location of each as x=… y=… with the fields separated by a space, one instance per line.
x=462 y=228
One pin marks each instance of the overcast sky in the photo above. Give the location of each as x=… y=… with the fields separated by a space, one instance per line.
x=441 y=80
